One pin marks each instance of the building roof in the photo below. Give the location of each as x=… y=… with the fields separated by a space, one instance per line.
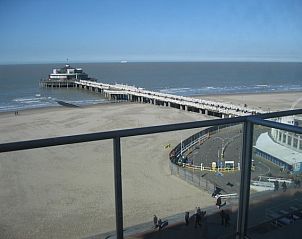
x=287 y=155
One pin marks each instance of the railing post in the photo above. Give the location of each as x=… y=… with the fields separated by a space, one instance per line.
x=118 y=188
x=247 y=146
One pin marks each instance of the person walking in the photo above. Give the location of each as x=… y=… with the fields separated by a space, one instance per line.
x=197 y=217
x=187 y=217
x=218 y=202
x=159 y=224
x=284 y=186
x=276 y=186
x=155 y=221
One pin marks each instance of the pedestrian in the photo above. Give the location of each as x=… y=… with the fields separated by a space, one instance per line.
x=159 y=224
x=216 y=191
x=187 y=217
x=198 y=210
x=218 y=202
x=284 y=186
x=155 y=221
x=222 y=216
x=276 y=186
x=197 y=217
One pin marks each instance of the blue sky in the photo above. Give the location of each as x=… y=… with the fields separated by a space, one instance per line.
x=44 y=31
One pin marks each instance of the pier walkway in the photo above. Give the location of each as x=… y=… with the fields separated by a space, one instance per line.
x=134 y=94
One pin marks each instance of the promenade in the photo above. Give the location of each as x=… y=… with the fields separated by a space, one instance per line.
x=260 y=226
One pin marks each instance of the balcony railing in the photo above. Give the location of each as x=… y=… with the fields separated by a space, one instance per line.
x=116 y=135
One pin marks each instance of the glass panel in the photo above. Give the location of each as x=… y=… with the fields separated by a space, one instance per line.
x=276 y=199
x=203 y=164
x=57 y=192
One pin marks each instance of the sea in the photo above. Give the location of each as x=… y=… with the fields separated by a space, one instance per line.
x=20 y=83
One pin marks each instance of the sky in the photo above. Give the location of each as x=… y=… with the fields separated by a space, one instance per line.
x=50 y=31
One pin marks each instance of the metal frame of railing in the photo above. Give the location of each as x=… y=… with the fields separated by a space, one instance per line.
x=116 y=135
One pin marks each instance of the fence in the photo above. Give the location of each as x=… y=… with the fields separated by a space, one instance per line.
x=189 y=142
x=190 y=177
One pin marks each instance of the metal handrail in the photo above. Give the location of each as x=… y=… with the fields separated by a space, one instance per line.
x=248 y=121
x=82 y=138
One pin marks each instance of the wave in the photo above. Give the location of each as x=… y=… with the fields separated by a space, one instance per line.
x=86 y=102
x=31 y=103
x=31 y=99
x=208 y=90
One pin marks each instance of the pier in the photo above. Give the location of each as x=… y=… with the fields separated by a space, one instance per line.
x=120 y=92
x=57 y=83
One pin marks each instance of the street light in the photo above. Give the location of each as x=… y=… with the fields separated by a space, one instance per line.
x=220 y=154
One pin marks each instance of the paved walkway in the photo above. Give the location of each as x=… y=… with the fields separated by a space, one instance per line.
x=212 y=228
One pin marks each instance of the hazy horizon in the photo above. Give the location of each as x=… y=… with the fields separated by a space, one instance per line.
x=142 y=31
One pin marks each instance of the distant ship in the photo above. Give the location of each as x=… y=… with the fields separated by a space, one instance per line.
x=124 y=61
x=65 y=77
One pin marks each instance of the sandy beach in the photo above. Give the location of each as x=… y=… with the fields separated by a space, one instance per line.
x=68 y=192
x=264 y=101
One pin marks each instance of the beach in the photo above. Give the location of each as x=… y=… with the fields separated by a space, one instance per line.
x=68 y=191
x=265 y=101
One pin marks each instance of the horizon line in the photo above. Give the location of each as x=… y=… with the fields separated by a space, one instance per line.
x=155 y=61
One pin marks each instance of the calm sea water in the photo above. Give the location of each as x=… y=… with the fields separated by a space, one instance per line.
x=20 y=83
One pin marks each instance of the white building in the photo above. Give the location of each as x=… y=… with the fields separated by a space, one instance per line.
x=68 y=73
x=281 y=147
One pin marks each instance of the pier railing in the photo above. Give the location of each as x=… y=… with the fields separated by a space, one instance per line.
x=131 y=93
x=116 y=135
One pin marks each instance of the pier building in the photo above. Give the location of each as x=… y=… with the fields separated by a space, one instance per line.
x=64 y=77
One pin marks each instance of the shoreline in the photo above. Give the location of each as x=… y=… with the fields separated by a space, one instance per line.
x=249 y=93
x=58 y=107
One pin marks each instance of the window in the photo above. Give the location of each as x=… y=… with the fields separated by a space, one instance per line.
x=295 y=143
x=289 y=140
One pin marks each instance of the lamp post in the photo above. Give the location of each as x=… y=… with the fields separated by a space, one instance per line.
x=220 y=154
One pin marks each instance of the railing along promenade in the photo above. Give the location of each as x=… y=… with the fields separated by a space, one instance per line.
x=131 y=93
x=248 y=125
